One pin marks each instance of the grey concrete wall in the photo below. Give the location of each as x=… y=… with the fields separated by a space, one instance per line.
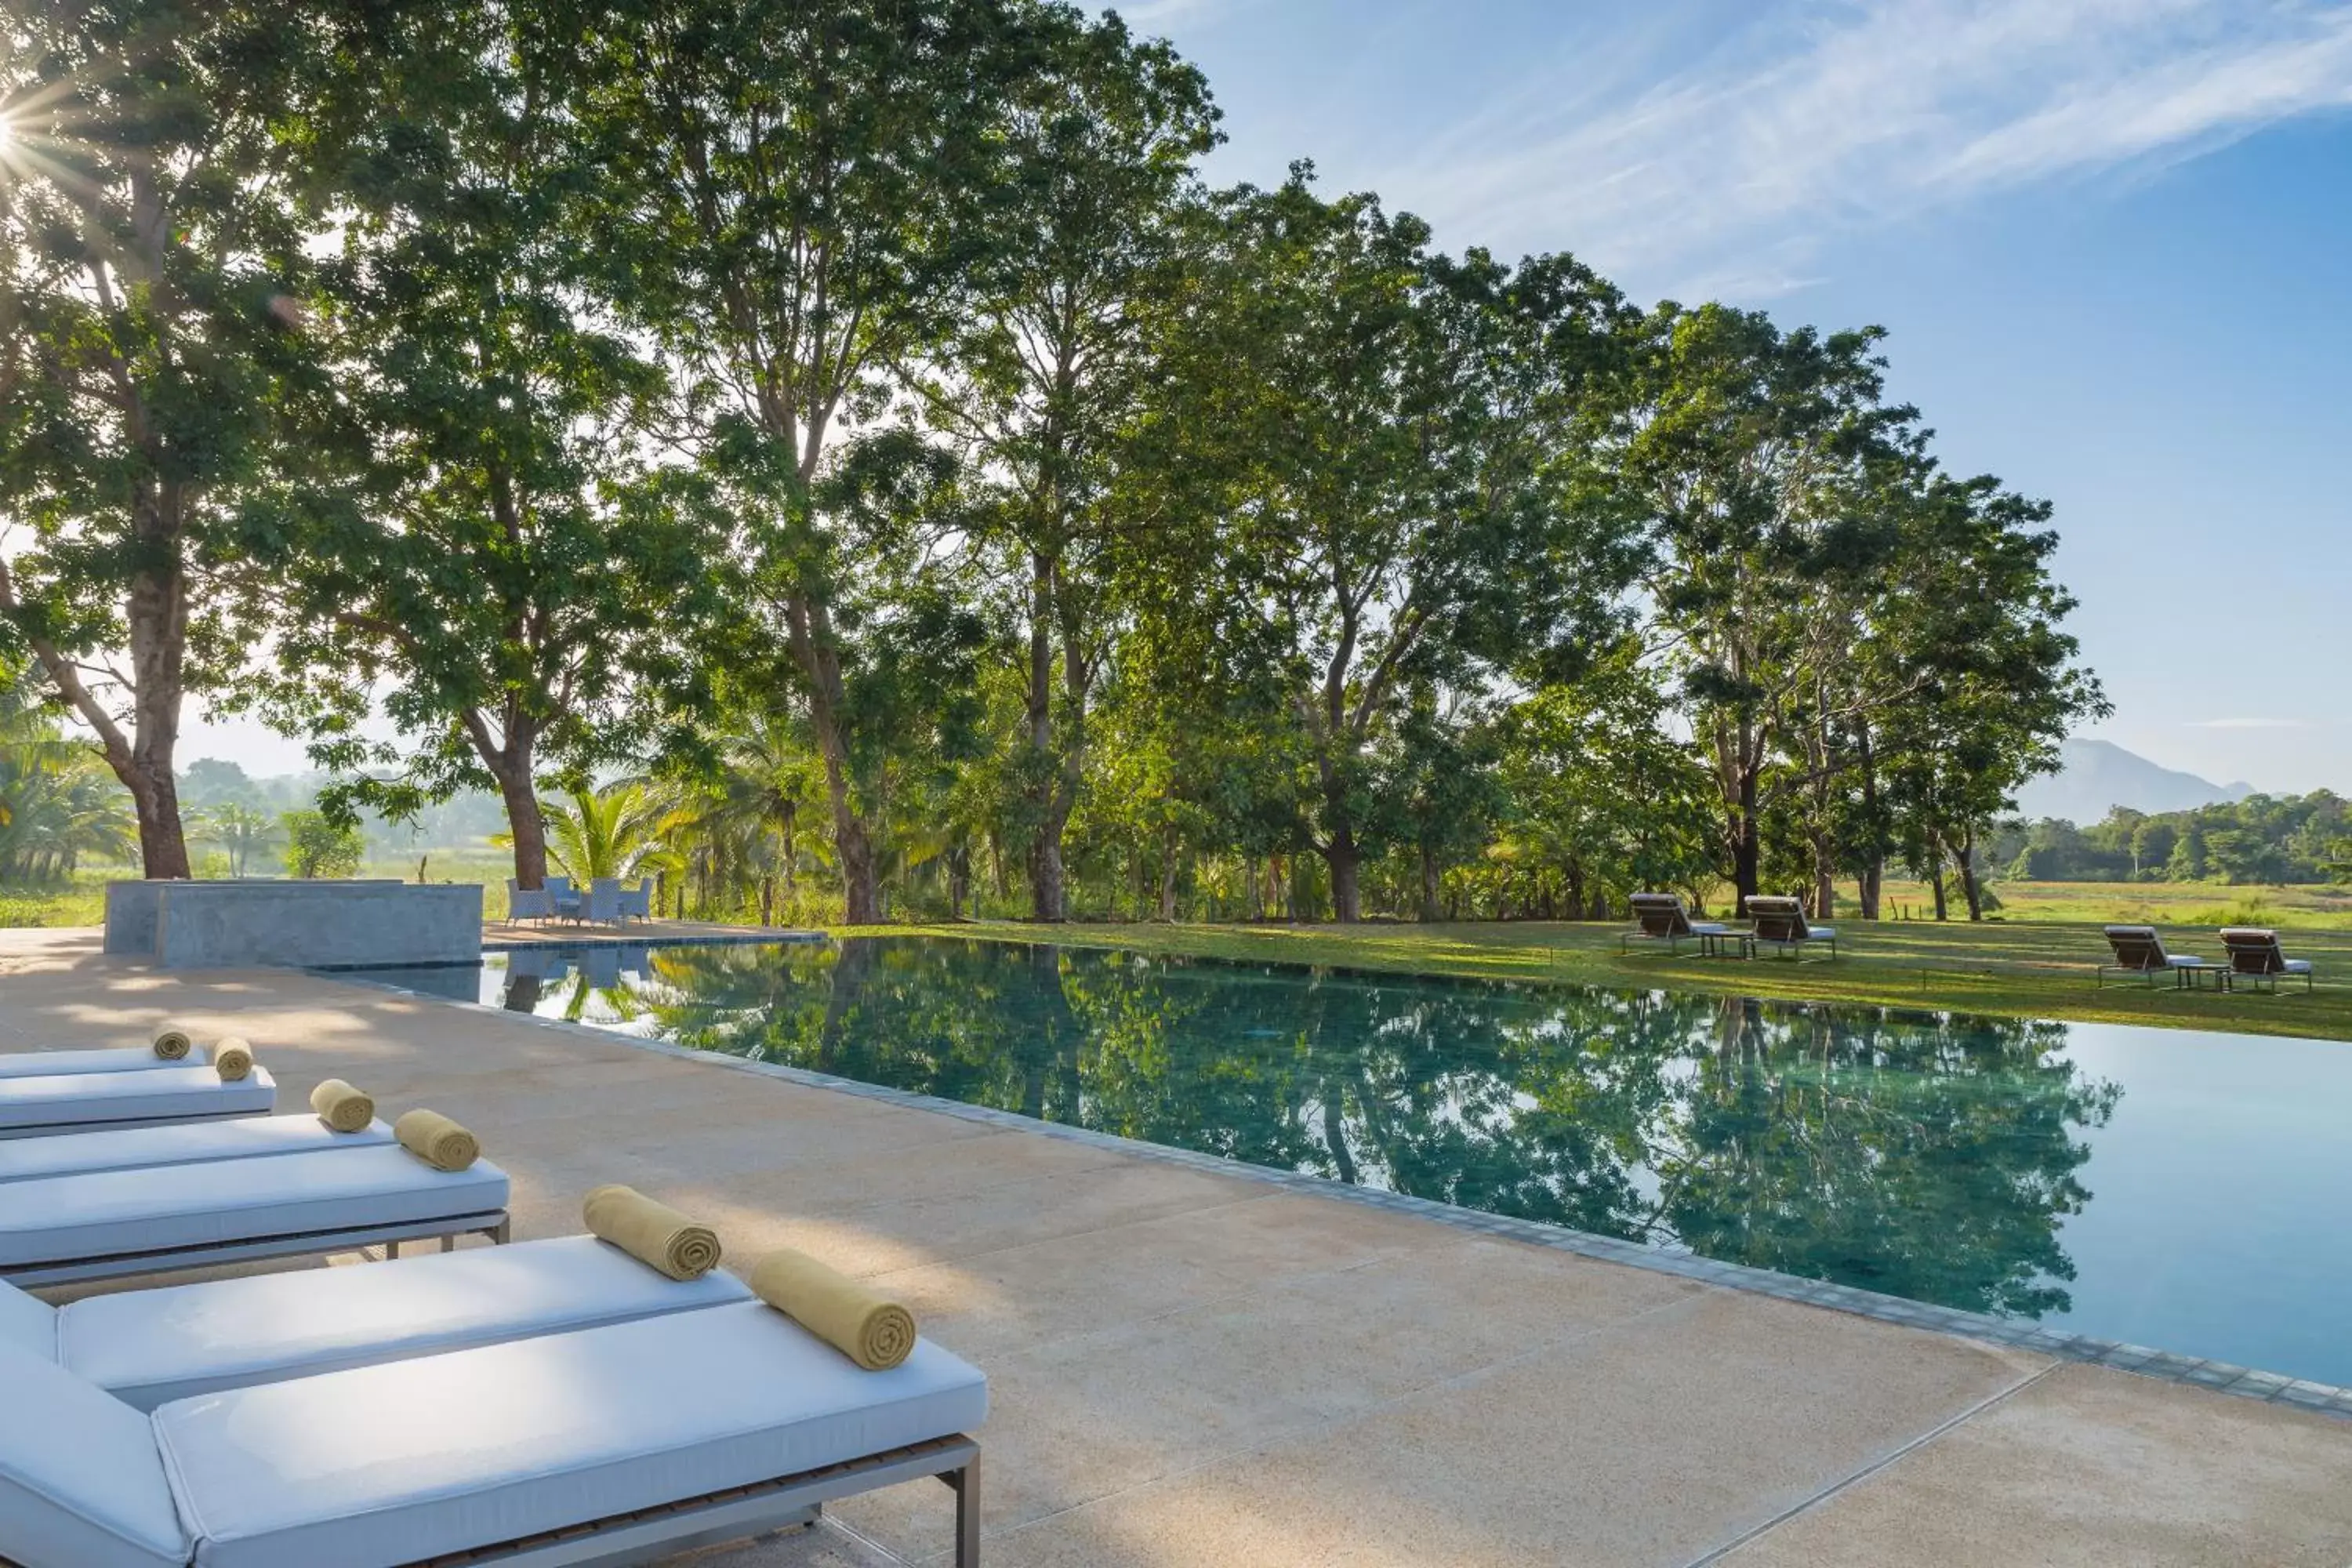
x=298 y=924
x=131 y=916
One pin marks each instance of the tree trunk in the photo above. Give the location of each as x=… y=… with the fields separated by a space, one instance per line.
x=1969 y=887
x=523 y=821
x=1346 y=861
x=1168 y=879
x=811 y=634
x=1873 y=872
x=1935 y=881
x=1430 y=912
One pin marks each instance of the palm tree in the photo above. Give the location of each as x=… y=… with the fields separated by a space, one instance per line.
x=57 y=801
x=615 y=831
x=238 y=829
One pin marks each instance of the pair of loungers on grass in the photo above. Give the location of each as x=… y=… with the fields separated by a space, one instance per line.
x=1779 y=923
x=2255 y=958
x=542 y=1402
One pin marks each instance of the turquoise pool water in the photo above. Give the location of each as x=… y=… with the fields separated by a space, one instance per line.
x=2188 y=1191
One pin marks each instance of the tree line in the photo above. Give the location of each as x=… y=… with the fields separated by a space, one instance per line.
x=866 y=419
x=2262 y=839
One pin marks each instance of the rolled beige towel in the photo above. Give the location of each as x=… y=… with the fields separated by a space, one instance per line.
x=871 y=1329
x=342 y=1108
x=653 y=1233
x=438 y=1140
x=233 y=1058
x=173 y=1043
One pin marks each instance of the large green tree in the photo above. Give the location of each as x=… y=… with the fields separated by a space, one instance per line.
x=794 y=200
x=503 y=572
x=154 y=218
x=1397 y=448
x=1045 y=370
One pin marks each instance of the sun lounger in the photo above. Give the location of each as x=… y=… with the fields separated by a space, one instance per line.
x=620 y=1444
x=150 y=1347
x=1660 y=917
x=1781 y=922
x=102 y=1224
x=182 y=1143
x=113 y=1058
x=2139 y=950
x=145 y=1097
x=2255 y=957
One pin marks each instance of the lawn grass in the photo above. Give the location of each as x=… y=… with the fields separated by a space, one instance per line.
x=2011 y=968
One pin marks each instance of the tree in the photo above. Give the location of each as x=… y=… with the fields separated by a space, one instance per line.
x=240 y=830
x=792 y=205
x=608 y=832
x=1398 y=446
x=319 y=845
x=154 y=221
x=1752 y=445
x=1043 y=374
x=508 y=575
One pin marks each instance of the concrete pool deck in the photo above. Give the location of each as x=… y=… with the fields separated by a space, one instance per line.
x=1192 y=1369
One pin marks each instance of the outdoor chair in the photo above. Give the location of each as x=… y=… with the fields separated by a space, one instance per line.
x=624 y=1443
x=99 y=1225
x=185 y=1144
x=60 y=1103
x=637 y=902
x=1660 y=917
x=529 y=903
x=113 y=1058
x=2139 y=950
x=150 y=1347
x=2255 y=956
x=1781 y=922
x=566 y=901
x=602 y=906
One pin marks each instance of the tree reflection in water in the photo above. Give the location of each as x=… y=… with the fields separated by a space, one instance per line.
x=1926 y=1156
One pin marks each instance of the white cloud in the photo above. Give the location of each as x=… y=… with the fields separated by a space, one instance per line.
x=1720 y=160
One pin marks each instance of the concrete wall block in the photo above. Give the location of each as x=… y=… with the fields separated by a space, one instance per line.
x=310 y=924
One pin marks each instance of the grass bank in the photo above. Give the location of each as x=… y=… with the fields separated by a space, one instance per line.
x=2013 y=968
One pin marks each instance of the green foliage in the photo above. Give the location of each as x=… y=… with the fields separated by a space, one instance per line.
x=59 y=804
x=2260 y=839
x=318 y=846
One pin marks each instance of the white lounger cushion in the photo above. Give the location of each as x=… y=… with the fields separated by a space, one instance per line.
x=102 y=1213
x=184 y=1143
x=391 y=1464
x=81 y=1483
x=148 y=1094
x=113 y=1058
x=150 y=1347
x=27 y=1322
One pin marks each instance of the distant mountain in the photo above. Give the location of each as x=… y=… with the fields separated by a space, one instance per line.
x=2099 y=775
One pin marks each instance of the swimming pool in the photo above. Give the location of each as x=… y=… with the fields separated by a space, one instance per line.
x=2188 y=1191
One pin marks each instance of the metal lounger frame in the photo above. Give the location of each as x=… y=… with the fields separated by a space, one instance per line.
x=492 y=1224
x=2265 y=979
x=2180 y=972
x=58 y=1129
x=650 y=1534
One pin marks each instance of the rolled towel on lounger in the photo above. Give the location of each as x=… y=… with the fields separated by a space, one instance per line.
x=342 y=1108
x=233 y=1060
x=870 y=1329
x=653 y=1233
x=438 y=1140
x=173 y=1043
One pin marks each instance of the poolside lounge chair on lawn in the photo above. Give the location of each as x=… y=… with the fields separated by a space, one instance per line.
x=142 y=1097
x=1660 y=917
x=2139 y=950
x=2255 y=956
x=1781 y=922
x=186 y=1143
x=102 y=1224
x=150 y=1347
x=620 y=1444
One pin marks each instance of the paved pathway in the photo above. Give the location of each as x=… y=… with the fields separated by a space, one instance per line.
x=1193 y=1370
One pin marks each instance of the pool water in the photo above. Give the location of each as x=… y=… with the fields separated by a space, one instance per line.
x=2183 y=1190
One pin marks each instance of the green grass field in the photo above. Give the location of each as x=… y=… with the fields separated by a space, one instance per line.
x=2013 y=968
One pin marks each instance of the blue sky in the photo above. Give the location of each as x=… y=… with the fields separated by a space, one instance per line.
x=2112 y=240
